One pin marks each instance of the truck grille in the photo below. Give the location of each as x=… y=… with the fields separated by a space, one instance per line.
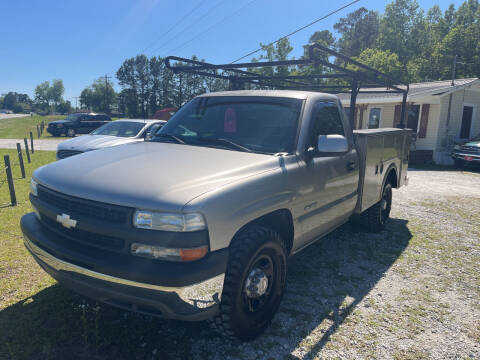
x=62 y=154
x=85 y=237
x=92 y=209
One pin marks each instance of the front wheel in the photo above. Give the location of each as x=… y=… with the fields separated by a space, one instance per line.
x=254 y=284
x=71 y=132
x=375 y=218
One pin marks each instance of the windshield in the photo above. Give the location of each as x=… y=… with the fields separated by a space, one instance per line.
x=258 y=124
x=119 y=128
x=73 y=117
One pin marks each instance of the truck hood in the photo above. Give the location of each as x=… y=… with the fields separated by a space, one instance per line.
x=93 y=142
x=148 y=175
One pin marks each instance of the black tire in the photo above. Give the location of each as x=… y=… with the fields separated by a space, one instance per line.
x=459 y=164
x=375 y=218
x=245 y=313
x=70 y=132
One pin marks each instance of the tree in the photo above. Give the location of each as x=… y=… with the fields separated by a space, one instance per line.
x=100 y=96
x=383 y=61
x=42 y=95
x=55 y=92
x=402 y=30
x=359 y=31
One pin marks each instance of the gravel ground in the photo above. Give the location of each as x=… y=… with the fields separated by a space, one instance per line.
x=410 y=292
x=39 y=144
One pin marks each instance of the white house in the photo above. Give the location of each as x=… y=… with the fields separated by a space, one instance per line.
x=440 y=113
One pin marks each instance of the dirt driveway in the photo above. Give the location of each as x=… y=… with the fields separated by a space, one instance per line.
x=410 y=292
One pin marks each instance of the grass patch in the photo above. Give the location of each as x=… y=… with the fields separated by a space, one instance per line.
x=19 y=128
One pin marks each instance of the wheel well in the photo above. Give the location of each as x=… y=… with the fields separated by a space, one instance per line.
x=392 y=177
x=280 y=221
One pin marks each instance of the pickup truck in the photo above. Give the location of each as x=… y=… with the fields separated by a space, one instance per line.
x=78 y=123
x=198 y=223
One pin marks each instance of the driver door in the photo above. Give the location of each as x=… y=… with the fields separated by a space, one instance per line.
x=329 y=191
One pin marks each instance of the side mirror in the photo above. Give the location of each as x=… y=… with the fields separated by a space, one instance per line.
x=332 y=144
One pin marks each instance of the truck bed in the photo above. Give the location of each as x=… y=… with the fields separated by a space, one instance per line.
x=378 y=151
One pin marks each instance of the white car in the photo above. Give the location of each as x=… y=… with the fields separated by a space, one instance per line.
x=119 y=132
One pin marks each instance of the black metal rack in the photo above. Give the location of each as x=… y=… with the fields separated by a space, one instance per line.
x=364 y=80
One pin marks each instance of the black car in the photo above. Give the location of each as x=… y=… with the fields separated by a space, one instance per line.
x=79 y=123
x=468 y=153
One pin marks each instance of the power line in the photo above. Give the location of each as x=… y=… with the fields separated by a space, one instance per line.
x=211 y=27
x=298 y=30
x=173 y=27
x=189 y=26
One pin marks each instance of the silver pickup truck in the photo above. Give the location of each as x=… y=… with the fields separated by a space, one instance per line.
x=198 y=222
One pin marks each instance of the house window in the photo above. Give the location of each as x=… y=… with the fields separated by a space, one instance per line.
x=466 y=122
x=374 y=118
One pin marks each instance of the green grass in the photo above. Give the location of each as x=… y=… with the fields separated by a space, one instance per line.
x=19 y=128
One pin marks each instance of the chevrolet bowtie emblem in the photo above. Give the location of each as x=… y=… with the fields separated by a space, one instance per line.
x=65 y=220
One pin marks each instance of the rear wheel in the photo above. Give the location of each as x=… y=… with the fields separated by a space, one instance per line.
x=254 y=283
x=375 y=218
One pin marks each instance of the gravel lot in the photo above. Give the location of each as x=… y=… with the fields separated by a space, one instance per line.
x=410 y=292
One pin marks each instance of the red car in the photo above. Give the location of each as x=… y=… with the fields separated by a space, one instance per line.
x=164 y=114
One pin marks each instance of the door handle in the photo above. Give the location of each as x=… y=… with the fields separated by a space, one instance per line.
x=351 y=165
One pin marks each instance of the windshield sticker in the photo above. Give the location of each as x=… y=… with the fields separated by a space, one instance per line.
x=230 y=120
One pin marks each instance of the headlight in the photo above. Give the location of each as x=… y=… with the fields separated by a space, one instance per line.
x=171 y=254
x=168 y=221
x=33 y=187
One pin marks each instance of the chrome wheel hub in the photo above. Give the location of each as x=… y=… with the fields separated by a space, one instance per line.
x=256 y=283
x=384 y=204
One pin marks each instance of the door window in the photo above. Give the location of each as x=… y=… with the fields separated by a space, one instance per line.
x=326 y=121
x=466 y=122
x=374 y=118
x=413 y=114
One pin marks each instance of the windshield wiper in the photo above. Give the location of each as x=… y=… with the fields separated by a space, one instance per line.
x=222 y=141
x=171 y=137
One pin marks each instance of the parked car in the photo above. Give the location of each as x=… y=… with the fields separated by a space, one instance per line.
x=198 y=223
x=164 y=114
x=78 y=123
x=123 y=131
x=5 y=111
x=468 y=153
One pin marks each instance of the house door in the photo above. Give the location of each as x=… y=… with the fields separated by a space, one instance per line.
x=466 y=122
x=413 y=115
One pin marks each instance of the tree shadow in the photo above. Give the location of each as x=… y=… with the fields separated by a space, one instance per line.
x=326 y=281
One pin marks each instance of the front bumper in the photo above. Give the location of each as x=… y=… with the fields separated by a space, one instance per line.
x=197 y=301
x=461 y=156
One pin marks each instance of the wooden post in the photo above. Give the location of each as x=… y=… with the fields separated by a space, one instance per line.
x=26 y=150
x=20 y=160
x=31 y=142
x=38 y=131
x=11 y=188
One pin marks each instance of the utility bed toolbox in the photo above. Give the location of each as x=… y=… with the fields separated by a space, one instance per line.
x=378 y=151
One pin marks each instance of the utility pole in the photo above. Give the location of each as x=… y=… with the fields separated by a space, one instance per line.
x=454 y=68
x=105 y=93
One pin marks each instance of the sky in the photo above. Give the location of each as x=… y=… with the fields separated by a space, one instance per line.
x=80 y=40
